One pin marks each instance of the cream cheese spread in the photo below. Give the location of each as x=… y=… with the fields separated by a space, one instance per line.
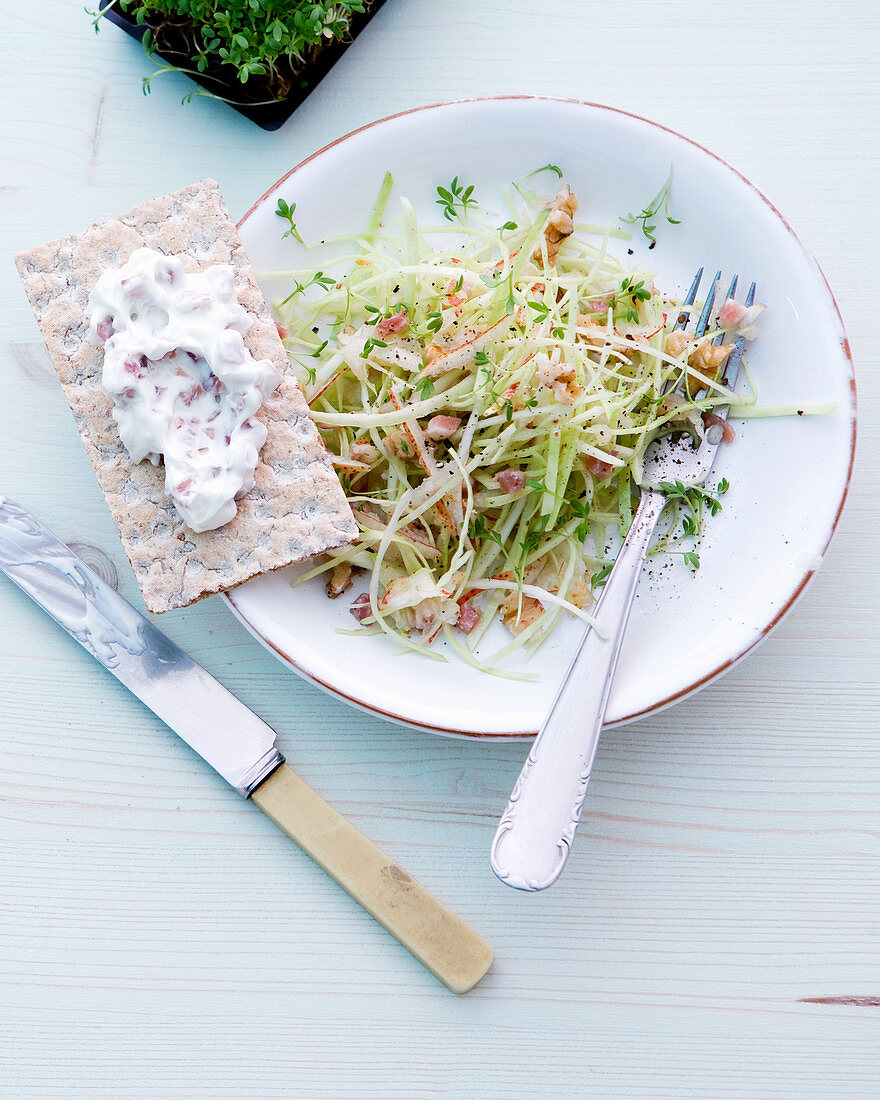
x=184 y=386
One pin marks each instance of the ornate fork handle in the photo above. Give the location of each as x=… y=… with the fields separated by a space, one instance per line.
x=535 y=834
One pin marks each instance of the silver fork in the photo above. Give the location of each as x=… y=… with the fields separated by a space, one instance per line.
x=536 y=831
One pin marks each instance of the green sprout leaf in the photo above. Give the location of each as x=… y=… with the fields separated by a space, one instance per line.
x=286 y=210
x=660 y=200
x=531 y=542
x=370 y=343
x=478 y=531
x=554 y=168
x=580 y=510
x=599 y=578
x=318 y=279
x=455 y=200
x=625 y=302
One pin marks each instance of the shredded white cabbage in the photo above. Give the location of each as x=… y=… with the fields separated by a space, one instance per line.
x=484 y=405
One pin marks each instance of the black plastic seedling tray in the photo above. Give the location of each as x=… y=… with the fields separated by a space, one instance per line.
x=268 y=115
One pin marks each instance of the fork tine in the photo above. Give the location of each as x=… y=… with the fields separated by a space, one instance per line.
x=703 y=322
x=683 y=318
x=730 y=293
x=731 y=370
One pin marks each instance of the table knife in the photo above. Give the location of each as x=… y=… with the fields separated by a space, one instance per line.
x=235 y=742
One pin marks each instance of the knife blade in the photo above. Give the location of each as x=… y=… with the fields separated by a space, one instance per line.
x=235 y=742
x=221 y=729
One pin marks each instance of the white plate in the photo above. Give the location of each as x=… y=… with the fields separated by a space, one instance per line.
x=788 y=476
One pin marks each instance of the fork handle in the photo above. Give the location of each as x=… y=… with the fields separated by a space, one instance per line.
x=536 y=831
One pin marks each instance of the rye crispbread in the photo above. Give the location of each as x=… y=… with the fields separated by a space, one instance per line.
x=297 y=507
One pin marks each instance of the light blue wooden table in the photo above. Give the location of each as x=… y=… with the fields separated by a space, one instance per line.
x=717 y=933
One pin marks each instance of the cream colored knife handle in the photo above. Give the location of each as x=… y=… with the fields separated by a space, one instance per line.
x=437 y=937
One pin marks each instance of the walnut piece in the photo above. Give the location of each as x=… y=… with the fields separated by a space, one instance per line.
x=559 y=224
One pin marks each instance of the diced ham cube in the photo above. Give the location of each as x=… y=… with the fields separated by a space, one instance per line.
x=192 y=394
x=468 y=617
x=191 y=301
x=598 y=468
x=138 y=367
x=398 y=322
x=360 y=607
x=441 y=427
x=511 y=481
x=728 y=434
x=133 y=287
x=731 y=313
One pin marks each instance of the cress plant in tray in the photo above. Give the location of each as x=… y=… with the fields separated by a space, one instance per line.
x=248 y=52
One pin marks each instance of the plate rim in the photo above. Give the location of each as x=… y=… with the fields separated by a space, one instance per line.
x=725 y=666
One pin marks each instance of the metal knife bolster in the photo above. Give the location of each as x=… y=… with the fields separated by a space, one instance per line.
x=262 y=769
x=221 y=729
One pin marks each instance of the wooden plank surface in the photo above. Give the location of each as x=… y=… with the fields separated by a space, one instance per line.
x=717 y=930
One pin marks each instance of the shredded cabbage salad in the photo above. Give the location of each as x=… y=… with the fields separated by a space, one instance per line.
x=487 y=400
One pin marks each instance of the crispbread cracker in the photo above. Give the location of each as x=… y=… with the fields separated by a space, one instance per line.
x=297 y=507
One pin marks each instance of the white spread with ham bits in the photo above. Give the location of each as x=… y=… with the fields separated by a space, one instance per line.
x=184 y=385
